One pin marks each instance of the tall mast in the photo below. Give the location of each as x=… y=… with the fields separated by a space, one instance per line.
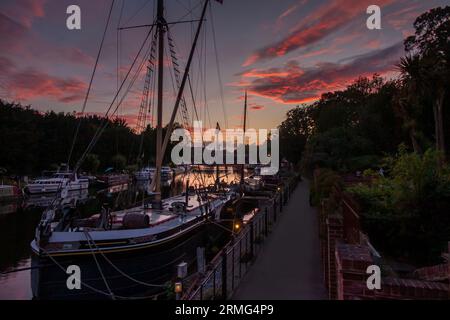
x=217 y=165
x=161 y=24
x=180 y=91
x=245 y=128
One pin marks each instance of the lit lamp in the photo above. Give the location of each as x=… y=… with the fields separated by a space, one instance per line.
x=237 y=226
x=178 y=287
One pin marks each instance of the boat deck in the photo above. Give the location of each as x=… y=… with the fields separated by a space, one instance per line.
x=160 y=220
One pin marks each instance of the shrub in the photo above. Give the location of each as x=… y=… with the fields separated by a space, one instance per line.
x=407 y=213
x=322 y=185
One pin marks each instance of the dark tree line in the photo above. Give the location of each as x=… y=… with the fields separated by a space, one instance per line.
x=31 y=142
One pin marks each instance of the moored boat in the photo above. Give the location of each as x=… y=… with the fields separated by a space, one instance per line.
x=9 y=192
x=145 y=174
x=130 y=253
x=141 y=243
x=113 y=179
x=58 y=181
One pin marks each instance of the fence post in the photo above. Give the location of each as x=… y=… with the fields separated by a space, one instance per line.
x=232 y=267
x=252 y=239
x=274 y=208
x=240 y=257
x=266 y=222
x=289 y=191
x=214 y=284
x=224 y=274
x=281 y=201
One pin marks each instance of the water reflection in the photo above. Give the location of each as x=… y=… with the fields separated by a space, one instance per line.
x=19 y=219
x=73 y=198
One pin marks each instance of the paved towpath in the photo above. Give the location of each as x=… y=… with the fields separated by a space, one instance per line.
x=288 y=267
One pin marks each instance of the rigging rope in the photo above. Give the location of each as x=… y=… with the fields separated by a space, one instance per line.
x=99 y=267
x=119 y=270
x=145 y=105
x=104 y=123
x=219 y=75
x=177 y=73
x=137 y=11
x=93 y=288
x=193 y=98
x=91 y=81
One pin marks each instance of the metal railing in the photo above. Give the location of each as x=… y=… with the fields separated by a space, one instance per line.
x=227 y=269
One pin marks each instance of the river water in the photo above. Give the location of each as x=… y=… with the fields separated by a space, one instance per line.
x=19 y=219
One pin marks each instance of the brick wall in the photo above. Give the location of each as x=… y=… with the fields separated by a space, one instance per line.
x=351 y=265
x=345 y=259
x=335 y=232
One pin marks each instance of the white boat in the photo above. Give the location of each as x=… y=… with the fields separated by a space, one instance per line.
x=145 y=173
x=71 y=198
x=68 y=181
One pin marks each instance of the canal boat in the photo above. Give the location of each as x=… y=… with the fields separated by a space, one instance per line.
x=133 y=246
x=131 y=253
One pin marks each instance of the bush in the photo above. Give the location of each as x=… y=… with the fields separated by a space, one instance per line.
x=407 y=213
x=322 y=185
x=119 y=162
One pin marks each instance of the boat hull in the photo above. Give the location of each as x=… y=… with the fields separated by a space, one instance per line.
x=153 y=264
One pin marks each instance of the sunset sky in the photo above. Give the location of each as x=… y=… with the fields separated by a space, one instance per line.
x=285 y=52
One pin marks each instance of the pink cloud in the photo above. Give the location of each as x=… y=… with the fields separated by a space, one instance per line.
x=30 y=84
x=292 y=84
x=316 y=26
x=256 y=107
x=25 y=11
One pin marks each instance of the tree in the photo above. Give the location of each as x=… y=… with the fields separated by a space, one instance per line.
x=295 y=131
x=431 y=43
x=344 y=127
x=406 y=98
x=119 y=162
x=91 y=163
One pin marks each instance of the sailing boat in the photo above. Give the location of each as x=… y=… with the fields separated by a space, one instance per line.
x=123 y=254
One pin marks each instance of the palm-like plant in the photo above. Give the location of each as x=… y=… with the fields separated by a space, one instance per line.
x=431 y=44
x=406 y=98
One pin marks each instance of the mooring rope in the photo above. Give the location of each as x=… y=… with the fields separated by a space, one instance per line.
x=98 y=266
x=95 y=289
x=117 y=268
